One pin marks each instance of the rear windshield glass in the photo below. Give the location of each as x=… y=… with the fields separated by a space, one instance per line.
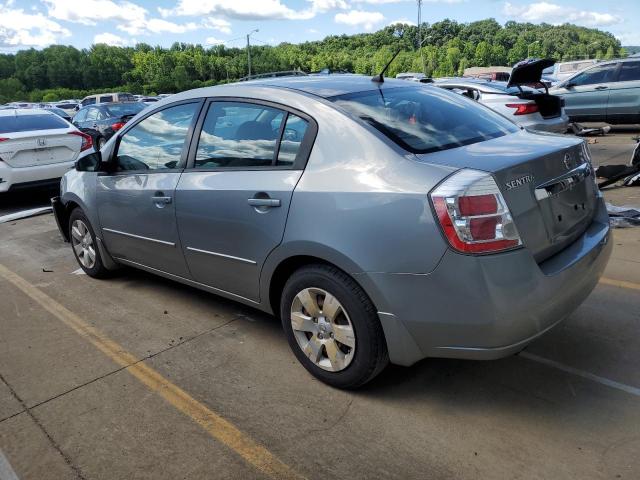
x=24 y=123
x=426 y=119
x=124 y=109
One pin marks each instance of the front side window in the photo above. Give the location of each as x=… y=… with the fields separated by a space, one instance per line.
x=88 y=101
x=598 y=74
x=238 y=134
x=156 y=143
x=81 y=116
x=425 y=119
x=629 y=72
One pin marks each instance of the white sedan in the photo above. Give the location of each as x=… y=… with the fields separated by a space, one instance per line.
x=37 y=147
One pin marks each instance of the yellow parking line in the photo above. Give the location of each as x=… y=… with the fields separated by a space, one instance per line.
x=219 y=428
x=620 y=283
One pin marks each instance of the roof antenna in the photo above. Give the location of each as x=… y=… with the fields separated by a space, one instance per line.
x=380 y=77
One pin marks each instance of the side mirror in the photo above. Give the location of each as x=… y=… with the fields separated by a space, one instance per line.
x=569 y=85
x=89 y=163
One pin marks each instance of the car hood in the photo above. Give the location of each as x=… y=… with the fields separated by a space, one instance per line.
x=528 y=71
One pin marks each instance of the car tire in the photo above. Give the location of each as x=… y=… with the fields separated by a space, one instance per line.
x=351 y=317
x=85 y=245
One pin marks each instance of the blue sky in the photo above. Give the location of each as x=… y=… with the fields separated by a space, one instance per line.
x=38 y=23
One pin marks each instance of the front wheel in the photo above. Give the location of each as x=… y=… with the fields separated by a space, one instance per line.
x=85 y=245
x=332 y=327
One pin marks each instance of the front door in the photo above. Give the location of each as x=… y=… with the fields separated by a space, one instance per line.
x=136 y=202
x=624 y=99
x=587 y=94
x=233 y=199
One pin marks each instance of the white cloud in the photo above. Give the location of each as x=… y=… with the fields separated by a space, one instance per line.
x=322 y=6
x=359 y=18
x=403 y=21
x=211 y=41
x=217 y=24
x=558 y=14
x=91 y=12
x=238 y=9
x=20 y=29
x=110 y=39
x=382 y=2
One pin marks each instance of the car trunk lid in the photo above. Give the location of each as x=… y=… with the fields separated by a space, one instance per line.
x=546 y=181
x=43 y=147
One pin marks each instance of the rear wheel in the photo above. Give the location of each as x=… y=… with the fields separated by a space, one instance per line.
x=332 y=327
x=85 y=245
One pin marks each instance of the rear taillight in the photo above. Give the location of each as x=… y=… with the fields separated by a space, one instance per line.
x=473 y=213
x=87 y=141
x=3 y=139
x=523 y=108
x=117 y=126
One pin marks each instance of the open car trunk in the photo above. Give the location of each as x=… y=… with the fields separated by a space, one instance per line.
x=549 y=106
x=529 y=72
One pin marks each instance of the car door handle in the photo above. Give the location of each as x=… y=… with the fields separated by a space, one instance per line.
x=161 y=200
x=263 y=202
x=601 y=87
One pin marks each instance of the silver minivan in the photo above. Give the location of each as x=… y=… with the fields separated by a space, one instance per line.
x=382 y=221
x=606 y=92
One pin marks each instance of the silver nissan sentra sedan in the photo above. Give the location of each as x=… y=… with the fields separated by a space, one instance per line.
x=381 y=221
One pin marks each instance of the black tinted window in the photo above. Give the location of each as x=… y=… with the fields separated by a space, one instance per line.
x=105 y=99
x=24 y=123
x=426 y=119
x=629 y=71
x=238 y=135
x=294 y=130
x=156 y=142
x=598 y=74
x=124 y=109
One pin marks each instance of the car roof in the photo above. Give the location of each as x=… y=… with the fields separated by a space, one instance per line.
x=319 y=85
x=25 y=111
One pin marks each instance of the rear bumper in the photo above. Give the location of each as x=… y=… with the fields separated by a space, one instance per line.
x=487 y=307
x=14 y=178
x=554 y=125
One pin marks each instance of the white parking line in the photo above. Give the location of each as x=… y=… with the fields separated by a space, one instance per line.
x=6 y=472
x=574 y=371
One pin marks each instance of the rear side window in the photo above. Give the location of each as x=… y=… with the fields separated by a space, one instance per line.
x=125 y=97
x=238 y=135
x=425 y=119
x=629 y=71
x=88 y=101
x=105 y=99
x=295 y=129
x=156 y=143
x=24 y=123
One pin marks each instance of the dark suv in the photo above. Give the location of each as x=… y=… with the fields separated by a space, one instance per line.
x=102 y=121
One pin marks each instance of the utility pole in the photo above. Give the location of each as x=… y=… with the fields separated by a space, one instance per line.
x=249 y=49
x=424 y=67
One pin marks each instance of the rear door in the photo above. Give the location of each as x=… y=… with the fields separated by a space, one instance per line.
x=136 y=202
x=233 y=199
x=587 y=94
x=624 y=96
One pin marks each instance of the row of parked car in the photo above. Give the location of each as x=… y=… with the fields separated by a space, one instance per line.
x=39 y=142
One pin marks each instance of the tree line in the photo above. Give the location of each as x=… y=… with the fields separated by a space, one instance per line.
x=448 y=47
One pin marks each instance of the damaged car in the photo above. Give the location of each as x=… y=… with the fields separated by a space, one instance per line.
x=528 y=107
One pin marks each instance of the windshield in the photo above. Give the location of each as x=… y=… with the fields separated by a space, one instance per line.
x=124 y=109
x=24 y=123
x=425 y=119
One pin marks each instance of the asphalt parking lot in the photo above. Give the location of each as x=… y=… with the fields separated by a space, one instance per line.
x=139 y=377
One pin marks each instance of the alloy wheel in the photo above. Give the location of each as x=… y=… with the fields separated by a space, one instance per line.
x=83 y=244
x=323 y=329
